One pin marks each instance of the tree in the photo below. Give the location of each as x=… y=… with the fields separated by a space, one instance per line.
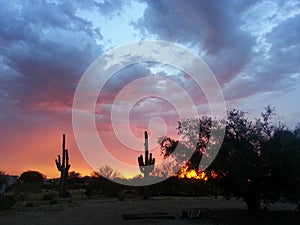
x=108 y=172
x=30 y=181
x=168 y=146
x=241 y=145
x=165 y=169
x=194 y=138
x=240 y=157
x=74 y=175
x=74 y=178
x=281 y=157
x=102 y=180
x=258 y=161
x=239 y=164
x=31 y=177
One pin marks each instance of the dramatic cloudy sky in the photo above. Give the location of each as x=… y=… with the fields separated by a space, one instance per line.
x=252 y=47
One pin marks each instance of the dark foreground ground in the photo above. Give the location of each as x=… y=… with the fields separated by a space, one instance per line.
x=110 y=211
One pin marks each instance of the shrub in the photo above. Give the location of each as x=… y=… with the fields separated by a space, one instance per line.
x=49 y=196
x=29 y=204
x=29 y=188
x=6 y=202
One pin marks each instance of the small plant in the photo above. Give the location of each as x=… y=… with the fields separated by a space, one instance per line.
x=49 y=196
x=89 y=192
x=53 y=202
x=29 y=204
x=28 y=188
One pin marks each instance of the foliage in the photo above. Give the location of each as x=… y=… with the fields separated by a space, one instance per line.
x=108 y=172
x=166 y=168
x=28 y=188
x=281 y=157
x=257 y=161
x=75 y=180
x=100 y=182
x=75 y=176
x=30 y=177
x=30 y=181
x=49 y=196
x=185 y=187
x=195 y=136
x=3 y=177
x=168 y=147
x=6 y=202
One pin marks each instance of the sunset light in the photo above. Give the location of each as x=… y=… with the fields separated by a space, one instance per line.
x=44 y=56
x=185 y=172
x=149 y=112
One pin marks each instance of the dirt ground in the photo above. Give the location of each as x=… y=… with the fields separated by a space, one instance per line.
x=110 y=211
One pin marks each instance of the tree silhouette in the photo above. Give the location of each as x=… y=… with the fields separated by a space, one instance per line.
x=107 y=172
x=31 y=177
x=258 y=161
x=195 y=135
x=74 y=178
x=281 y=157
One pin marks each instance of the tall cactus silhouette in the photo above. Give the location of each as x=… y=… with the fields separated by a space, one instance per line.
x=63 y=166
x=147 y=166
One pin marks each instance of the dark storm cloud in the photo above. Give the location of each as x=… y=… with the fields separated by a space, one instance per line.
x=285 y=50
x=45 y=48
x=211 y=26
x=280 y=70
x=219 y=30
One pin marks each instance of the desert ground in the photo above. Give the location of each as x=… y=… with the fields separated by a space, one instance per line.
x=110 y=211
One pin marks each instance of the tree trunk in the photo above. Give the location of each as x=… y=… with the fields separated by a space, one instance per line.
x=252 y=196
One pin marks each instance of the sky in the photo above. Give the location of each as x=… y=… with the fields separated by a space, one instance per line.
x=252 y=47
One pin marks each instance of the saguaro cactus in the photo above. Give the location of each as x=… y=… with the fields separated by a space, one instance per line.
x=63 y=166
x=147 y=166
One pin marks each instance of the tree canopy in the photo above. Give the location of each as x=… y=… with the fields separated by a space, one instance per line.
x=258 y=161
x=31 y=177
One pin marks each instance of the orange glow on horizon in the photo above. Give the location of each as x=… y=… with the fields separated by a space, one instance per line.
x=185 y=172
x=37 y=148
